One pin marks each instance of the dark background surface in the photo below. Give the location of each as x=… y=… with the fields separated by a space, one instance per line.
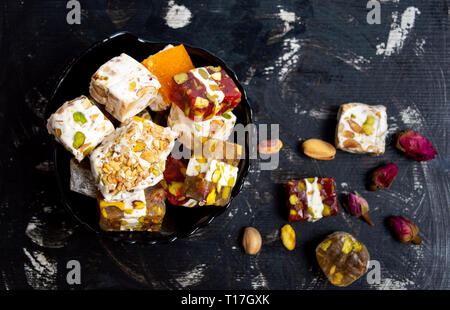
x=298 y=60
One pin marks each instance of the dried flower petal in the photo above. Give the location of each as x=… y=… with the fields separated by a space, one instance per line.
x=414 y=145
x=383 y=176
x=358 y=206
x=405 y=230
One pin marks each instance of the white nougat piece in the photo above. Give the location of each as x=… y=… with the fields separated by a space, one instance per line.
x=124 y=86
x=197 y=165
x=79 y=126
x=218 y=127
x=134 y=208
x=221 y=173
x=213 y=170
x=132 y=158
x=361 y=128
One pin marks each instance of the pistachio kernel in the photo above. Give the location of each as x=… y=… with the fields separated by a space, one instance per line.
x=347 y=246
x=211 y=198
x=226 y=116
x=201 y=102
x=78 y=140
x=180 y=78
x=87 y=151
x=203 y=73
x=79 y=118
x=293 y=200
x=139 y=147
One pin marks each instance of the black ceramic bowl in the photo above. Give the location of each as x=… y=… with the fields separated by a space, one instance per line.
x=179 y=222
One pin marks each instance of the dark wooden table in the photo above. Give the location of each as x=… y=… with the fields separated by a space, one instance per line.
x=299 y=60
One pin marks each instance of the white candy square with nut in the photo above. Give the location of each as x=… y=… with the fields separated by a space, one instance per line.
x=361 y=128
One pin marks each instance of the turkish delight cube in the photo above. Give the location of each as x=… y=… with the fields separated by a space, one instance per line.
x=79 y=126
x=132 y=158
x=210 y=181
x=179 y=61
x=312 y=199
x=342 y=258
x=218 y=127
x=199 y=94
x=124 y=86
x=361 y=128
x=232 y=95
x=174 y=177
x=142 y=210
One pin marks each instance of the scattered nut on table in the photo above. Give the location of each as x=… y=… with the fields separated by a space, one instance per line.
x=288 y=237
x=251 y=241
x=318 y=149
x=270 y=146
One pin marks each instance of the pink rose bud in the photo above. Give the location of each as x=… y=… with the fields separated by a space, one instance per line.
x=358 y=206
x=405 y=230
x=383 y=177
x=414 y=145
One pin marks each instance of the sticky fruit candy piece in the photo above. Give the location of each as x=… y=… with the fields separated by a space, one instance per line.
x=179 y=62
x=415 y=146
x=270 y=146
x=358 y=206
x=297 y=199
x=383 y=177
x=226 y=84
x=174 y=176
x=288 y=237
x=405 y=230
x=342 y=258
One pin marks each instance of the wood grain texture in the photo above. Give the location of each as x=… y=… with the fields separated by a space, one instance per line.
x=299 y=60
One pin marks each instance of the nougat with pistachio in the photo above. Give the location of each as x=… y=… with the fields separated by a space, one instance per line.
x=79 y=126
x=124 y=86
x=205 y=92
x=361 y=128
x=311 y=199
x=132 y=158
x=142 y=210
x=173 y=183
x=212 y=174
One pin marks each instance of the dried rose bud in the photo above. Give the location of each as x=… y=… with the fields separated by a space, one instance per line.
x=358 y=206
x=405 y=230
x=414 y=145
x=383 y=176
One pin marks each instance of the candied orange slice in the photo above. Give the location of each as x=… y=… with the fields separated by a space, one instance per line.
x=164 y=65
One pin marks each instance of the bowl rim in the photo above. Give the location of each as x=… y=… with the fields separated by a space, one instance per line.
x=114 y=235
